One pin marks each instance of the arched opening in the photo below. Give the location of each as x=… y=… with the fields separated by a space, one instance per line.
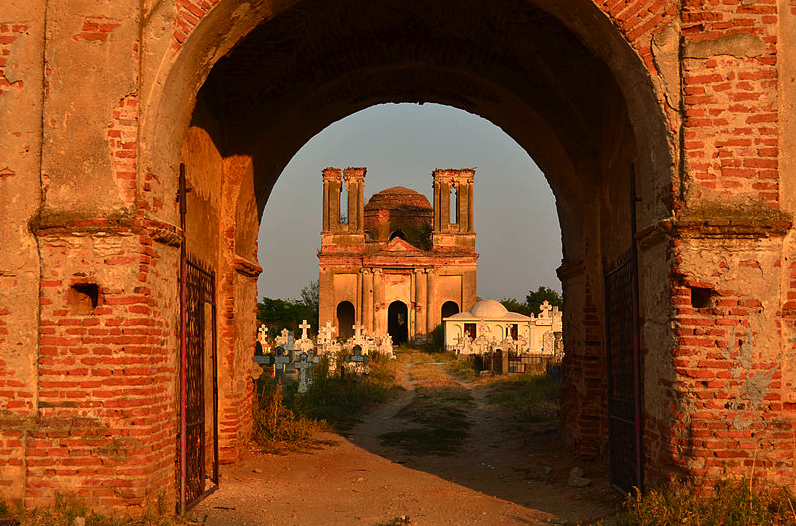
x=345 y=319
x=273 y=91
x=398 y=322
x=397 y=233
x=449 y=308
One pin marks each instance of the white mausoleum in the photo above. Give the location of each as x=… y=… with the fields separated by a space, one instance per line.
x=489 y=325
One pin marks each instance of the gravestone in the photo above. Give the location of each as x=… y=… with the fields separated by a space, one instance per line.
x=304 y=366
x=357 y=359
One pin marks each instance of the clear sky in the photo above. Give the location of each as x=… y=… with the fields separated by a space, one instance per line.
x=516 y=224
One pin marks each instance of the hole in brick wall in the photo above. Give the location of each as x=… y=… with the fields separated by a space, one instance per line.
x=83 y=297
x=702 y=298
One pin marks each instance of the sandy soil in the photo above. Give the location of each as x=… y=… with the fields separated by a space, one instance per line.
x=498 y=477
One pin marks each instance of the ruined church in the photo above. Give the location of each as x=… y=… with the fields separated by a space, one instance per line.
x=396 y=265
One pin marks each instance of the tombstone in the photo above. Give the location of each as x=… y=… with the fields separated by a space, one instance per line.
x=281 y=364
x=304 y=366
x=262 y=335
x=357 y=359
x=385 y=346
x=325 y=334
x=304 y=327
x=545 y=308
x=305 y=344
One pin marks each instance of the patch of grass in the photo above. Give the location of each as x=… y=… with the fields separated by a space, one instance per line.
x=289 y=422
x=341 y=402
x=532 y=397
x=732 y=503
x=67 y=508
x=440 y=412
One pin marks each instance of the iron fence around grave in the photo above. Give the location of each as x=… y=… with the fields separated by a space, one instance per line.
x=525 y=363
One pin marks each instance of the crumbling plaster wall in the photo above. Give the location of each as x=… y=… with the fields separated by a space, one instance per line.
x=21 y=49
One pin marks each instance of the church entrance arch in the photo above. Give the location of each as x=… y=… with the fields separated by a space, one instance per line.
x=449 y=308
x=346 y=315
x=398 y=322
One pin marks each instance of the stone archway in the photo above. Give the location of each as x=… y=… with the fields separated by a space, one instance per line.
x=345 y=319
x=449 y=308
x=398 y=322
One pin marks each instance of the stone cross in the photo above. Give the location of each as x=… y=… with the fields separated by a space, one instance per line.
x=328 y=331
x=281 y=360
x=262 y=334
x=545 y=308
x=304 y=326
x=357 y=357
x=357 y=330
x=304 y=366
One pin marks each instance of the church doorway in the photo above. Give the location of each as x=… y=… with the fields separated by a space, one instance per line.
x=345 y=319
x=449 y=308
x=397 y=315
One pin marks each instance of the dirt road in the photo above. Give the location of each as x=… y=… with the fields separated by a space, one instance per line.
x=495 y=476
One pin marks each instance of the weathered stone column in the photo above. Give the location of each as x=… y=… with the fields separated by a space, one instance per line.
x=430 y=303
x=367 y=300
x=358 y=299
x=378 y=299
x=410 y=308
x=420 y=300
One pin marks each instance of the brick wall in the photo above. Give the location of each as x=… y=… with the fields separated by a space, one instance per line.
x=106 y=374
x=731 y=131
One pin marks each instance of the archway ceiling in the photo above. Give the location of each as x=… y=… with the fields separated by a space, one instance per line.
x=466 y=53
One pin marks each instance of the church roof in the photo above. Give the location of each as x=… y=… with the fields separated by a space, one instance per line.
x=397 y=197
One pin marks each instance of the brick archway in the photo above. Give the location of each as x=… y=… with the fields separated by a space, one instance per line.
x=273 y=91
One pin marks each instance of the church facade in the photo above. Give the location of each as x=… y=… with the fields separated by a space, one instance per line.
x=396 y=265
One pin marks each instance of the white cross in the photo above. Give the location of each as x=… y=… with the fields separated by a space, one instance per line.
x=263 y=334
x=329 y=330
x=284 y=334
x=545 y=307
x=304 y=326
x=357 y=329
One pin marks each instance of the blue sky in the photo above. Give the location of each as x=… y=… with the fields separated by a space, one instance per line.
x=517 y=229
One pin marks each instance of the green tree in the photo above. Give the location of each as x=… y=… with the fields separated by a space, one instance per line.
x=310 y=296
x=286 y=313
x=516 y=306
x=535 y=299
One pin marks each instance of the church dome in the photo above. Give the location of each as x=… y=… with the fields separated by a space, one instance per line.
x=490 y=309
x=397 y=197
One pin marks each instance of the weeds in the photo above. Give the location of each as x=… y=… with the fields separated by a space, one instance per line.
x=439 y=408
x=289 y=421
x=68 y=508
x=532 y=397
x=277 y=428
x=340 y=402
x=732 y=503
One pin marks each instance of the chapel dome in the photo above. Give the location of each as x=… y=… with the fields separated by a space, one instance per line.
x=397 y=197
x=488 y=309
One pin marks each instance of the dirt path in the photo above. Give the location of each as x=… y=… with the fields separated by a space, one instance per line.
x=496 y=477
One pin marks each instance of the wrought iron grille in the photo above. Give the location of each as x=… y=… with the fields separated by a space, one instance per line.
x=620 y=327
x=199 y=354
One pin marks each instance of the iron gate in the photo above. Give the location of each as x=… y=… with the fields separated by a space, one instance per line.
x=198 y=377
x=624 y=364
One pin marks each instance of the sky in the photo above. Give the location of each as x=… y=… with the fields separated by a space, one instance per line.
x=516 y=225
